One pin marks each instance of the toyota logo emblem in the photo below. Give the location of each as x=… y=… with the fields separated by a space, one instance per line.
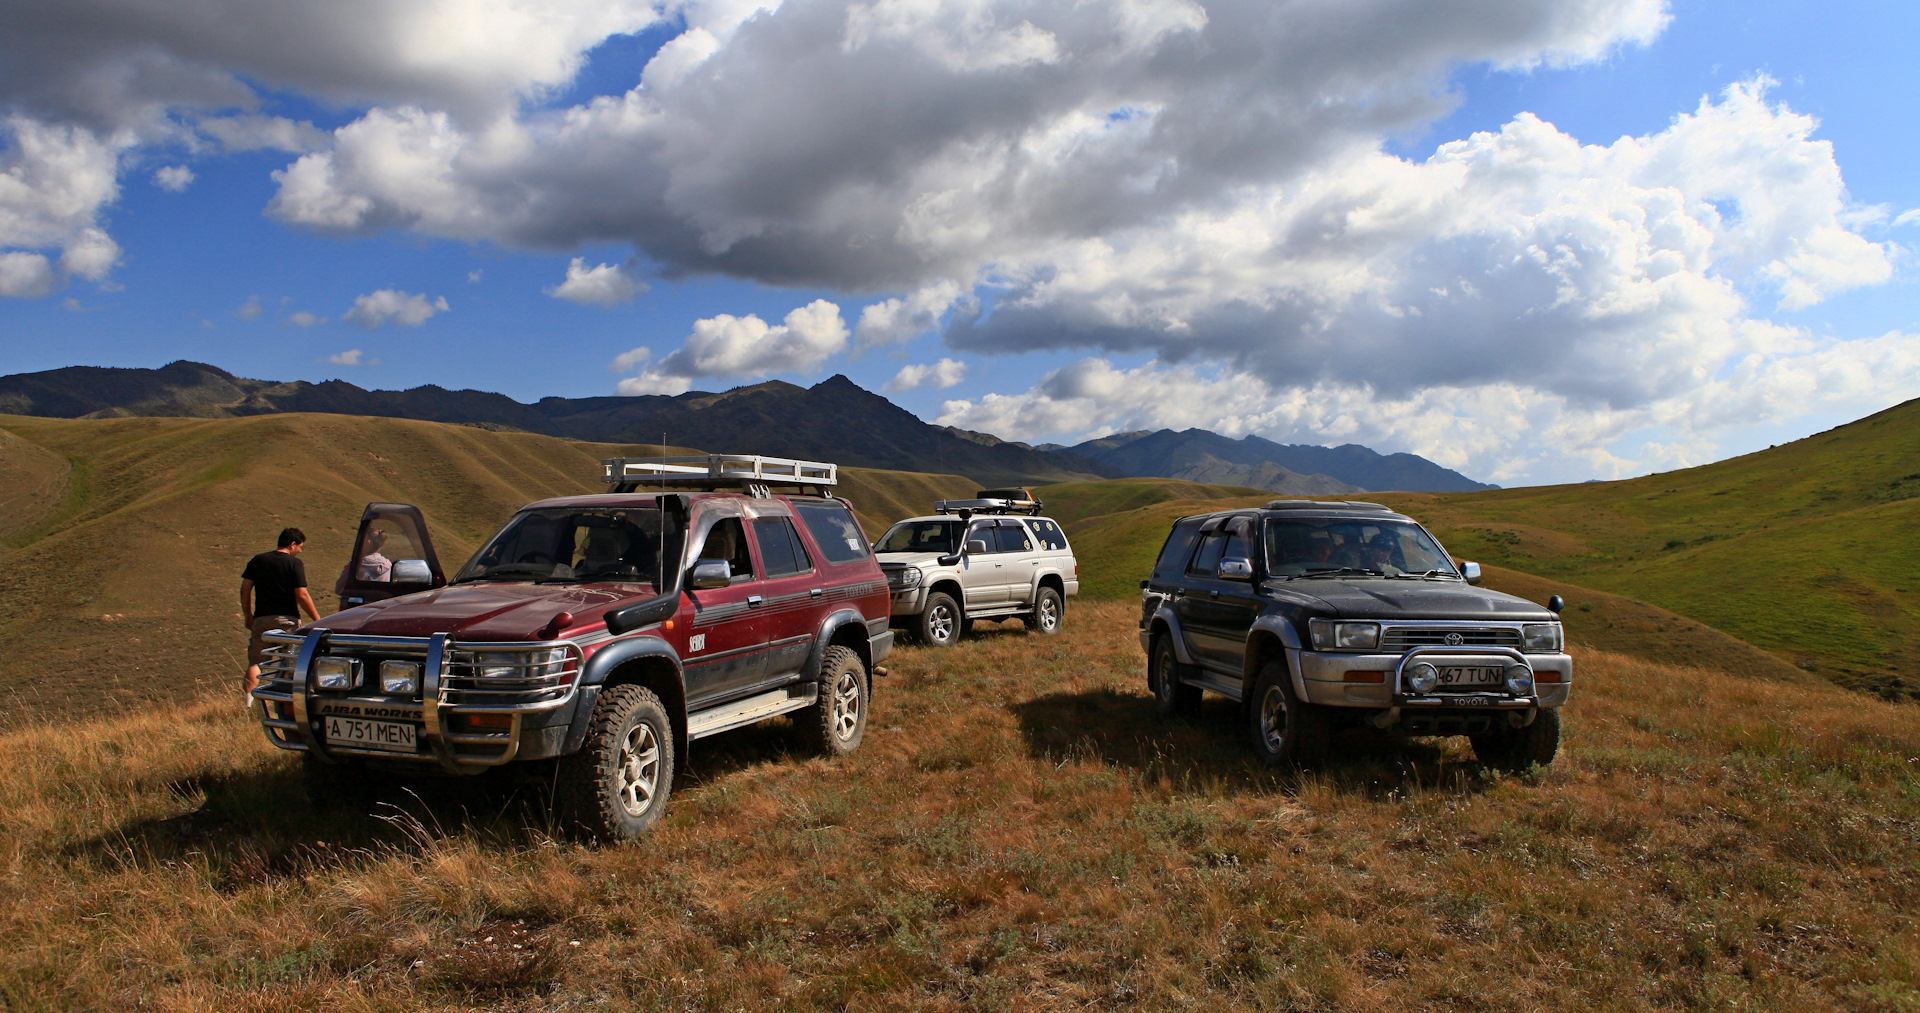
x=1455 y=640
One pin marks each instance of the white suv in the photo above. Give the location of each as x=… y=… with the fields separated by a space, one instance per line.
x=978 y=559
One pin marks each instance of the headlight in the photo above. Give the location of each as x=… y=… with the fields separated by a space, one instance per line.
x=336 y=673
x=1332 y=636
x=519 y=664
x=1519 y=680
x=399 y=678
x=1422 y=677
x=909 y=577
x=1541 y=638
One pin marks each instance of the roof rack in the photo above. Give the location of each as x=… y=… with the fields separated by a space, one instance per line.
x=717 y=471
x=990 y=505
x=1343 y=504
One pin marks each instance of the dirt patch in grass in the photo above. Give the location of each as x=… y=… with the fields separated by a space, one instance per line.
x=1020 y=831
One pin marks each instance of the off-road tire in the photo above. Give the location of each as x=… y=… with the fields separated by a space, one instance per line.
x=336 y=788
x=602 y=791
x=1171 y=697
x=1520 y=748
x=1049 y=611
x=837 y=722
x=1287 y=731
x=941 y=623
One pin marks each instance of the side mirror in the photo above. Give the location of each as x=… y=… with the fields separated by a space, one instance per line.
x=950 y=559
x=977 y=545
x=1555 y=603
x=1471 y=571
x=1235 y=568
x=709 y=574
x=411 y=571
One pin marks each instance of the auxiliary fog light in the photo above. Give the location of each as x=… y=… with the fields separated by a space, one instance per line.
x=1422 y=677
x=399 y=678
x=1519 y=680
x=336 y=673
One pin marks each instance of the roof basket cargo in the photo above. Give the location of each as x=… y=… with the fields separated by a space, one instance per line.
x=1308 y=504
x=717 y=471
x=993 y=501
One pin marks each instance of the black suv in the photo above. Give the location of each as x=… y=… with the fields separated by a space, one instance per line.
x=1317 y=615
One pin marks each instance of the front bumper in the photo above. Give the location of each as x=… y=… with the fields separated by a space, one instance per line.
x=907 y=601
x=524 y=718
x=1324 y=675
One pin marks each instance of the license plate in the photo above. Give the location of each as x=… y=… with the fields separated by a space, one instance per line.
x=1472 y=676
x=389 y=735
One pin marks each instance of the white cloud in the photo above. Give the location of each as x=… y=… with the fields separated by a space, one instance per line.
x=253 y=132
x=603 y=285
x=940 y=375
x=897 y=321
x=350 y=357
x=301 y=318
x=173 y=178
x=250 y=309
x=473 y=276
x=741 y=347
x=53 y=183
x=1908 y=217
x=25 y=275
x=393 y=306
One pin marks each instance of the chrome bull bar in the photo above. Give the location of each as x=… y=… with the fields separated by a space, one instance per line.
x=1499 y=699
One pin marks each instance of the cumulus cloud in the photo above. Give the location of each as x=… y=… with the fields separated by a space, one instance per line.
x=250 y=309
x=896 y=321
x=602 y=285
x=741 y=347
x=393 y=306
x=940 y=375
x=25 y=275
x=173 y=178
x=350 y=357
x=54 y=180
x=301 y=318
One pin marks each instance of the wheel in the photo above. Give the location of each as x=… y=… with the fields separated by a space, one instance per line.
x=336 y=788
x=1170 y=695
x=1520 y=748
x=1049 y=609
x=940 y=622
x=838 y=721
x=1286 y=730
x=616 y=786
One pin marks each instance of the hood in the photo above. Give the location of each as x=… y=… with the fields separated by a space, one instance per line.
x=1374 y=598
x=486 y=611
x=908 y=558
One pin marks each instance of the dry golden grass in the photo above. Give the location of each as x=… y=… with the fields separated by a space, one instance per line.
x=1018 y=832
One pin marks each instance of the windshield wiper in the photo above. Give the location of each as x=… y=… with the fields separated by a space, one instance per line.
x=1429 y=575
x=1342 y=571
x=508 y=573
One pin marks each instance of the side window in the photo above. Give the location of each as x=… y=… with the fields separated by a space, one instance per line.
x=727 y=540
x=780 y=548
x=1207 y=560
x=1174 y=554
x=1236 y=548
x=1013 y=537
x=834 y=530
x=1050 y=534
x=983 y=532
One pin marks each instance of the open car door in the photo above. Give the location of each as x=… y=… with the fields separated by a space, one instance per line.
x=392 y=556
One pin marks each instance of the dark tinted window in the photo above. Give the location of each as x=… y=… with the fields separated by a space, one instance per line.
x=780 y=548
x=983 y=532
x=1013 y=537
x=1179 y=546
x=727 y=540
x=834 y=530
x=1050 y=534
x=1207 y=560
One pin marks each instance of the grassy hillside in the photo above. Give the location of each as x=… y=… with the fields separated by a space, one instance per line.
x=123 y=539
x=1018 y=832
x=1806 y=549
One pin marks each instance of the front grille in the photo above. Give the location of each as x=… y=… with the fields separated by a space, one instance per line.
x=1401 y=638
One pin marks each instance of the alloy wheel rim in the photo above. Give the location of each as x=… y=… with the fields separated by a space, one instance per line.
x=1049 y=613
x=639 y=769
x=940 y=622
x=1273 y=718
x=846 y=705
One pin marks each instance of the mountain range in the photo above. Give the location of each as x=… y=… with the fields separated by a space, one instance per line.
x=835 y=420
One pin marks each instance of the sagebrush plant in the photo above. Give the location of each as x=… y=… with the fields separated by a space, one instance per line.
x=1019 y=831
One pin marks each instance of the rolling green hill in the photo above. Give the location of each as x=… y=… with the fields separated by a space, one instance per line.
x=1806 y=549
x=122 y=540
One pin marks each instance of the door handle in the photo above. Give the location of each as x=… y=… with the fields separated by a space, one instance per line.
x=1213 y=594
x=753 y=601
x=815 y=592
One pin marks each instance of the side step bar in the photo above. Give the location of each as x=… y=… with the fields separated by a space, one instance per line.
x=1216 y=683
x=737 y=713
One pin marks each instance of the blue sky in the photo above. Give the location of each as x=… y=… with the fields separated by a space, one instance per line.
x=207 y=273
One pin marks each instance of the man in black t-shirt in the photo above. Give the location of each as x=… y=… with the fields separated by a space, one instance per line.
x=273 y=592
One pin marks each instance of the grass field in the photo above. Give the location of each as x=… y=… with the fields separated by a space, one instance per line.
x=1806 y=550
x=1018 y=832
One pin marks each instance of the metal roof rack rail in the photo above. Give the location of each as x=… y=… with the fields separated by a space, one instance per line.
x=988 y=505
x=1308 y=504
x=710 y=472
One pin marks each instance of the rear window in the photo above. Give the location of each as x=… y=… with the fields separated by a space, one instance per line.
x=1013 y=537
x=833 y=529
x=1049 y=534
x=1179 y=546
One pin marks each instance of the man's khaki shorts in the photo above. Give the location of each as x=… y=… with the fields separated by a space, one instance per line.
x=257 y=646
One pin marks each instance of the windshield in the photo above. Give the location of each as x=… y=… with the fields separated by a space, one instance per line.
x=563 y=544
x=1389 y=548
x=921 y=536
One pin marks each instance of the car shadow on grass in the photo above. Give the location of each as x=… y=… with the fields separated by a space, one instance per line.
x=1212 y=751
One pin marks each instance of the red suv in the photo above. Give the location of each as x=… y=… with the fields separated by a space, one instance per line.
x=603 y=633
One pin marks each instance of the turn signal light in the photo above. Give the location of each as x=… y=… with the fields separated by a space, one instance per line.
x=1375 y=677
x=500 y=722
